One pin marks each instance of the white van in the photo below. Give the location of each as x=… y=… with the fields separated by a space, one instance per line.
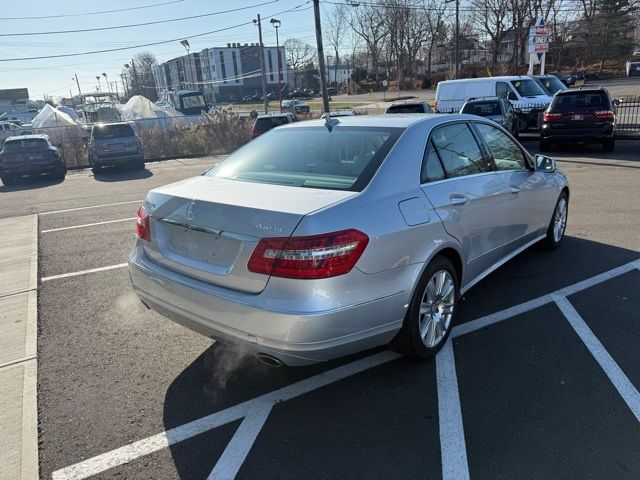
x=523 y=92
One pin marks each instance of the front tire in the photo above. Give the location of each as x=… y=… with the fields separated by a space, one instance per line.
x=558 y=224
x=429 y=319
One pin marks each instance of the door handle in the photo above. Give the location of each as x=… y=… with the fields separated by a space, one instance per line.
x=514 y=189
x=457 y=199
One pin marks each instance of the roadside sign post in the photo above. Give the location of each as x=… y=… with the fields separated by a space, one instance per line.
x=538 y=45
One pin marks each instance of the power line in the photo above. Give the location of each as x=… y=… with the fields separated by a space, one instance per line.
x=131 y=25
x=119 y=49
x=92 y=13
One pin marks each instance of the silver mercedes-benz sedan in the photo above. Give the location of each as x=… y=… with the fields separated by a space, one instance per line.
x=324 y=238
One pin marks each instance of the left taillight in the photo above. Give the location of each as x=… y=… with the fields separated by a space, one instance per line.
x=309 y=257
x=143 y=227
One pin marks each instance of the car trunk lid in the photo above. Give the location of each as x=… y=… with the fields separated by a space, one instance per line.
x=207 y=227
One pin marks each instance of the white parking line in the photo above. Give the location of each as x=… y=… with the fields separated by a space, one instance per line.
x=83 y=272
x=453 y=450
x=90 y=206
x=622 y=383
x=238 y=448
x=449 y=409
x=88 y=225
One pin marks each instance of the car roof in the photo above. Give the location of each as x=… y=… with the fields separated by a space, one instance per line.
x=33 y=136
x=104 y=124
x=401 y=120
x=582 y=90
x=485 y=99
x=272 y=115
x=480 y=79
x=415 y=102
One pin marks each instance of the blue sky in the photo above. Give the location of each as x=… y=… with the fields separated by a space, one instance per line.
x=54 y=76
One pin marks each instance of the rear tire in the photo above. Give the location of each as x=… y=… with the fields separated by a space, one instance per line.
x=7 y=179
x=608 y=145
x=558 y=223
x=544 y=145
x=430 y=316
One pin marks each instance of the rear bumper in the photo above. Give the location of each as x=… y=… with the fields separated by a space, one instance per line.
x=577 y=134
x=32 y=168
x=247 y=322
x=116 y=159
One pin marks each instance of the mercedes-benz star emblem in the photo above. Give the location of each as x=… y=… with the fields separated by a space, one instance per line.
x=192 y=211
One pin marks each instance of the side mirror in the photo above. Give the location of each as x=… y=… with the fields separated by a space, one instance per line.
x=544 y=164
x=615 y=102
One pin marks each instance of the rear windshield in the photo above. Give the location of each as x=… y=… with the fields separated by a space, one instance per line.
x=15 y=146
x=264 y=124
x=482 y=109
x=344 y=158
x=113 y=131
x=406 y=109
x=580 y=100
x=193 y=101
x=552 y=84
x=527 y=88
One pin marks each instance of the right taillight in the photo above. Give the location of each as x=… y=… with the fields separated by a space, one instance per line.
x=143 y=226
x=310 y=257
x=550 y=117
x=603 y=114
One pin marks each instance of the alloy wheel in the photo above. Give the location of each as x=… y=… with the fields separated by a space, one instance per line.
x=436 y=308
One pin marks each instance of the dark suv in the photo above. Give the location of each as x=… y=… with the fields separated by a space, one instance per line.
x=579 y=116
x=413 y=107
x=114 y=144
x=29 y=155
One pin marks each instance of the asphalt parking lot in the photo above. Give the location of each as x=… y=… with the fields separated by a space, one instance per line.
x=540 y=379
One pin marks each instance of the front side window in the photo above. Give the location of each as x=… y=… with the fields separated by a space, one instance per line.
x=483 y=109
x=506 y=154
x=343 y=158
x=502 y=89
x=458 y=150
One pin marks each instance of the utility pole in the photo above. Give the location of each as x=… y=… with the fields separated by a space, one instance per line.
x=457 y=36
x=262 y=75
x=78 y=83
x=135 y=76
x=323 y=81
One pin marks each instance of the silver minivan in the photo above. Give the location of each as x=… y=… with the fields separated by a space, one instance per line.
x=115 y=144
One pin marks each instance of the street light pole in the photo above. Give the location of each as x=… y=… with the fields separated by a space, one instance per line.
x=323 y=81
x=98 y=78
x=77 y=83
x=262 y=75
x=192 y=71
x=276 y=24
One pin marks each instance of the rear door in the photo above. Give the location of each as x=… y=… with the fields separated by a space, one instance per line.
x=529 y=199
x=467 y=193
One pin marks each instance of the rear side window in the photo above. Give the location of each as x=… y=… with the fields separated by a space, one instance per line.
x=483 y=109
x=458 y=150
x=431 y=167
x=506 y=154
x=580 y=100
x=343 y=158
x=15 y=146
x=265 y=124
x=112 y=131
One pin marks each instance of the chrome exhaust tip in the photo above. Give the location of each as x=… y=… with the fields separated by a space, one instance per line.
x=269 y=360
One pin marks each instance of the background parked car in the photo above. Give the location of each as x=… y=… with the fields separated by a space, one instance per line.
x=497 y=110
x=267 y=121
x=410 y=107
x=115 y=144
x=572 y=78
x=30 y=155
x=579 y=116
x=295 y=106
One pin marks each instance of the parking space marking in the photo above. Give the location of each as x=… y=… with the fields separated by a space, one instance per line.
x=233 y=457
x=88 y=225
x=133 y=451
x=626 y=389
x=453 y=449
x=450 y=443
x=83 y=272
x=90 y=206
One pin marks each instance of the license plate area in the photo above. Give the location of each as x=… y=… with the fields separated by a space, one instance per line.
x=202 y=247
x=577 y=116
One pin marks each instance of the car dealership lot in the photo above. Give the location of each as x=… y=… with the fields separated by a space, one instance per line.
x=526 y=393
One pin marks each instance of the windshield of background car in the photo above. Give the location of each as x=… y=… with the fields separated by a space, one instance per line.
x=552 y=84
x=527 y=88
x=343 y=158
x=267 y=123
x=405 y=109
x=112 y=131
x=580 y=100
x=193 y=101
x=15 y=146
x=483 y=109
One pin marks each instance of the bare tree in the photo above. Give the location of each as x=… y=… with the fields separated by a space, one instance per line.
x=493 y=20
x=335 y=30
x=368 y=22
x=299 y=56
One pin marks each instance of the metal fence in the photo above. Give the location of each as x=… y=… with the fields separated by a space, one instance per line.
x=628 y=114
